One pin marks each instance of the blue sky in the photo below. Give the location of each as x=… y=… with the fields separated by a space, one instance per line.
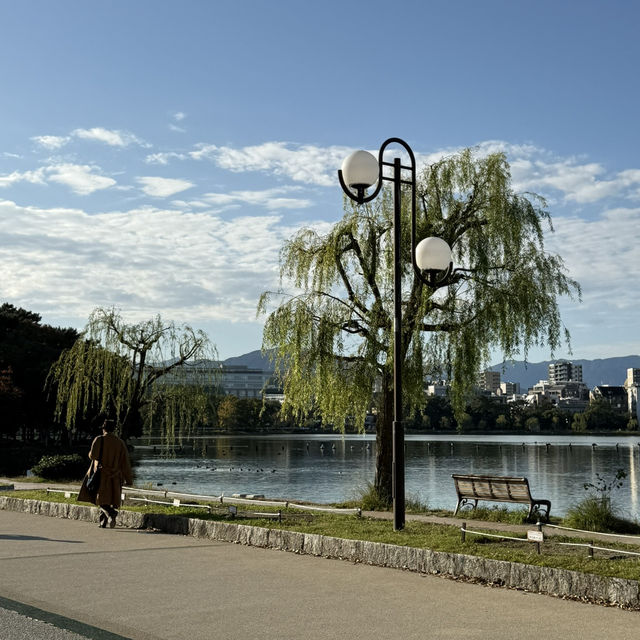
x=155 y=155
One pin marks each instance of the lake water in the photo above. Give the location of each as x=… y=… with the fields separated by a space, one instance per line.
x=332 y=468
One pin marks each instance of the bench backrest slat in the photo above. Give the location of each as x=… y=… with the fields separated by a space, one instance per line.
x=499 y=488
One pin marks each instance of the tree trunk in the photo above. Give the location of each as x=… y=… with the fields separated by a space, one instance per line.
x=384 y=443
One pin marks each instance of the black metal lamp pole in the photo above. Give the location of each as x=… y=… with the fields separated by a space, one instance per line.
x=398 y=426
x=432 y=267
x=360 y=197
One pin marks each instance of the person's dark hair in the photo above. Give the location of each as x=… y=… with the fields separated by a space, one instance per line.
x=109 y=426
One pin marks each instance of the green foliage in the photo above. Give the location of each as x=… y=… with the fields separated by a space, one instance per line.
x=248 y=414
x=27 y=351
x=61 y=467
x=600 y=416
x=333 y=338
x=146 y=373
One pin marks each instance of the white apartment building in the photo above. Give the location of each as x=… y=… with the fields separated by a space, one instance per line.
x=632 y=385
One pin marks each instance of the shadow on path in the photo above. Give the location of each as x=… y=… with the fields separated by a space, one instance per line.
x=5 y=536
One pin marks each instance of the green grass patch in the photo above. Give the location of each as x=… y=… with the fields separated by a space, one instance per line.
x=433 y=536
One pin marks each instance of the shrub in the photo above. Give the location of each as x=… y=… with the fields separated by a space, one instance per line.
x=593 y=513
x=61 y=467
x=596 y=511
x=368 y=499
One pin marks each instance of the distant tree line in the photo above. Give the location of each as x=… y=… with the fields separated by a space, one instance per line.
x=483 y=414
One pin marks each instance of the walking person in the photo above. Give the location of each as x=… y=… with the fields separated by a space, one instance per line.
x=109 y=453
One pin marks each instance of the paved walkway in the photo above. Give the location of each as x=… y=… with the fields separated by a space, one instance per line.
x=120 y=583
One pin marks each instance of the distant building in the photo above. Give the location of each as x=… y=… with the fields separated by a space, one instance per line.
x=234 y=380
x=543 y=391
x=572 y=396
x=489 y=381
x=632 y=401
x=616 y=396
x=243 y=382
x=440 y=389
x=572 y=405
x=633 y=378
x=509 y=388
x=632 y=386
x=564 y=371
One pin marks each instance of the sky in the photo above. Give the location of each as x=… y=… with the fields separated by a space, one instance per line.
x=155 y=156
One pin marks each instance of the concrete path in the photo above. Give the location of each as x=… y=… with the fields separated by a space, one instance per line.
x=142 y=585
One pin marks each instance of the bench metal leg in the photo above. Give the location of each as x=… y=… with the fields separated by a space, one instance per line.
x=463 y=502
x=535 y=507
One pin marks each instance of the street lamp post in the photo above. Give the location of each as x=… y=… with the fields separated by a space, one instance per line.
x=430 y=258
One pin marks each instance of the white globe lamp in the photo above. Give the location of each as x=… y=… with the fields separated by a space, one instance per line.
x=433 y=254
x=360 y=170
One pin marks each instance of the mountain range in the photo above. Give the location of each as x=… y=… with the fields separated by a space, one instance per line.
x=611 y=371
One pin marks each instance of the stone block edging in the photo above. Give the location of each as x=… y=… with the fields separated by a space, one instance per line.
x=558 y=582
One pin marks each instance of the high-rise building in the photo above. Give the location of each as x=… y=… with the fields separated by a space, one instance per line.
x=489 y=381
x=564 y=371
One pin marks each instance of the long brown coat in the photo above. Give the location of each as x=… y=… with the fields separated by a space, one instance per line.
x=116 y=470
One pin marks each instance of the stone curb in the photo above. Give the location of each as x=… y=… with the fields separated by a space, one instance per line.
x=547 y=580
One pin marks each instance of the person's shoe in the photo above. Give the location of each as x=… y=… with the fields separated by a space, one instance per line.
x=112 y=519
x=103 y=520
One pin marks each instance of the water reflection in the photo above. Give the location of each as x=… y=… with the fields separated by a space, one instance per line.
x=330 y=468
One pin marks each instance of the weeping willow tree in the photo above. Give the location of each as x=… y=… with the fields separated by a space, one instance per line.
x=333 y=335
x=152 y=372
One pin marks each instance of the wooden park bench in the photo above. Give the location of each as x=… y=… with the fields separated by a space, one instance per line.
x=471 y=488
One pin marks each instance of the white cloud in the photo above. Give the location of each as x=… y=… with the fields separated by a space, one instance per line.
x=179 y=116
x=51 y=142
x=34 y=177
x=302 y=163
x=79 y=178
x=533 y=168
x=158 y=187
x=602 y=255
x=112 y=137
x=195 y=266
x=163 y=158
x=270 y=199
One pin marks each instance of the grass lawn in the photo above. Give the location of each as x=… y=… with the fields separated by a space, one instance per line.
x=437 y=537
